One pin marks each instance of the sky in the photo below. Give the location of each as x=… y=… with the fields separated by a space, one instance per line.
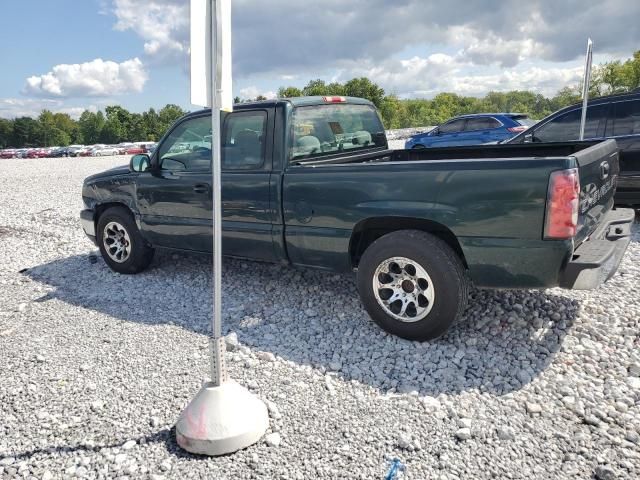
x=72 y=55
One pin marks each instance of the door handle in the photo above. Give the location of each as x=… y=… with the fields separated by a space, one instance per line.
x=201 y=188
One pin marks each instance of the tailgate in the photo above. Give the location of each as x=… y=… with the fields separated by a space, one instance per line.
x=599 y=169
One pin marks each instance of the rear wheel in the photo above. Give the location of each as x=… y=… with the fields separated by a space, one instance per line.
x=121 y=245
x=412 y=284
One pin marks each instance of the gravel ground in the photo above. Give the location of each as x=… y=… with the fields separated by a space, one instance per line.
x=96 y=367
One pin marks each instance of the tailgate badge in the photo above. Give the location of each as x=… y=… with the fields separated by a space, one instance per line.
x=604 y=170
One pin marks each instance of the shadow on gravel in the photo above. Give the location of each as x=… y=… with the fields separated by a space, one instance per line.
x=166 y=436
x=163 y=436
x=505 y=340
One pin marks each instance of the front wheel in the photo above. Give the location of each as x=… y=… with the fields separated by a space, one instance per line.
x=121 y=245
x=412 y=284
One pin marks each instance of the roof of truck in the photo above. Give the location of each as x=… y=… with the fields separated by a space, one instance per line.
x=296 y=102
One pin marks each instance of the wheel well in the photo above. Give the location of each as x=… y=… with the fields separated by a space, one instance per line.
x=100 y=209
x=368 y=231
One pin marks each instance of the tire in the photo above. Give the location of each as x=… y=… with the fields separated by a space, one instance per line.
x=129 y=252
x=427 y=302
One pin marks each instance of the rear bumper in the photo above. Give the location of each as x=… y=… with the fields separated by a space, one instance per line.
x=628 y=191
x=88 y=224
x=596 y=260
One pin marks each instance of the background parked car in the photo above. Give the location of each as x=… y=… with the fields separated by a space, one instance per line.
x=473 y=129
x=613 y=116
x=134 y=150
x=105 y=151
x=85 y=151
x=59 y=152
x=74 y=149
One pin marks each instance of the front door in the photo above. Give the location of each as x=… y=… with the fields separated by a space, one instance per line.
x=175 y=199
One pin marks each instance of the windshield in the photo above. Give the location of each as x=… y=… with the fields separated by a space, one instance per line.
x=329 y=129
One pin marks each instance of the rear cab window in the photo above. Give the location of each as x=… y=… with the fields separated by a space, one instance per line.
x=322 y=130
x=243 y=136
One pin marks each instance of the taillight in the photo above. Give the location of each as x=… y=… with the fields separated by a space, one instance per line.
x=563 y=200
x=334 y=99
x=516 y=129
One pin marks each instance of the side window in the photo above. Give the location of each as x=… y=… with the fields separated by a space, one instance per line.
x=454 y=126
x=188 y=147
x=481 y=123
x=566 y=128
x=243 y=138
x=626 y=119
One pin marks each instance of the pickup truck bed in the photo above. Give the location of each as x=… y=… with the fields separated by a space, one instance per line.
x=489 y=198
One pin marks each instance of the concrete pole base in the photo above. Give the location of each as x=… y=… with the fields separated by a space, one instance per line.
x=221 y=420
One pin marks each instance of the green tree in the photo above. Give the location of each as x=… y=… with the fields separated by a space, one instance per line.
x=69 y=126
x=152 y=125
x=316 y=88
x=364 y=88
x=122 y=118
x=137 y=129
x=26 y=132
x=113 y=131
x=49 y=133
x=6 y=133
x=167 y=116
x=289 y=92
x=631 y=72
x=90 y=126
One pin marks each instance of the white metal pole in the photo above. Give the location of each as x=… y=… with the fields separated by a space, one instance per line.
x=218 y=368
x=224 y=417
x=585 y=87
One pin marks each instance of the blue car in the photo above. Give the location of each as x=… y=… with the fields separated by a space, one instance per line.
x=473 y=129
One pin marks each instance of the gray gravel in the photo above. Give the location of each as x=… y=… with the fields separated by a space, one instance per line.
x=96 y=367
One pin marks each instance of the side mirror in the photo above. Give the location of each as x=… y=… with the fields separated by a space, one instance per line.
x=139 y=163
x=435 y=132
x=528 y=138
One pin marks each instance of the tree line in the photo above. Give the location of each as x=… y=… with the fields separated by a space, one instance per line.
x=117 y=124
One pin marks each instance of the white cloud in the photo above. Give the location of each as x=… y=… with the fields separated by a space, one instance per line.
x=162 y=24
x=29 y=107
x=427 y=76
x=254 y=92
x=98 y=78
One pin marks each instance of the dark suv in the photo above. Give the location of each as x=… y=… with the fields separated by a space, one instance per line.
x=614 y=116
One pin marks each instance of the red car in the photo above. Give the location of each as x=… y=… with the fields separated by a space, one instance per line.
x=135 y=150
x=37 y=153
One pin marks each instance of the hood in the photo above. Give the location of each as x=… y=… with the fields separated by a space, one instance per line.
x=112 y=172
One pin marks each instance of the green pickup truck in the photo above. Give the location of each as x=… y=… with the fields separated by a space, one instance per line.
x=312 y=182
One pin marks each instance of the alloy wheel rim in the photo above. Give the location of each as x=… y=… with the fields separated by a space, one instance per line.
x=117 y=242
x=403 y=289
